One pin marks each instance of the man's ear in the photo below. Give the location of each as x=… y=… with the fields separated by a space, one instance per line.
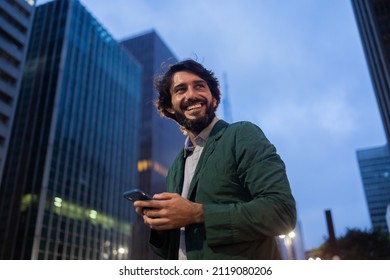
x=215 y=103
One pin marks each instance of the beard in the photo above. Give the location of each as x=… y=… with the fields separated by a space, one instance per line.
x=196 y=125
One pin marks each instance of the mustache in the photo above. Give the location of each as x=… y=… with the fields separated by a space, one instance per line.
x=192 y=101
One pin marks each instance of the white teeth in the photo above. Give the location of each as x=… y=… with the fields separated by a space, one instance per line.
x=194 y=107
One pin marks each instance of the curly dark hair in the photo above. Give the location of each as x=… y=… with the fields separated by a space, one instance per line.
x=163 y=84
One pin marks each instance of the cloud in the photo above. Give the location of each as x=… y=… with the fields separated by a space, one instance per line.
x=328 y=115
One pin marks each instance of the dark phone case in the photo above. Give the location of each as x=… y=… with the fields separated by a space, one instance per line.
x=136 y=194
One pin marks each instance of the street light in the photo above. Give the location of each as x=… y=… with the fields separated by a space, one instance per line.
x=288 y=242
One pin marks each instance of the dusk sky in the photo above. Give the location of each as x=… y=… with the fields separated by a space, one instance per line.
x=296 y=69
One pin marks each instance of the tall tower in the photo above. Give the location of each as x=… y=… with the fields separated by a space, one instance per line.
x=74 y=145
x=373 y=20
x=16 y=18
x=374 y=166
x=160 y=138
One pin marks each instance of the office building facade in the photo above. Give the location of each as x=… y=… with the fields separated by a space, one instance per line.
x=160 y=138
x=373 y=20
x=16 y=18
x=74 y=146
x=388 y=216
x=374 y=167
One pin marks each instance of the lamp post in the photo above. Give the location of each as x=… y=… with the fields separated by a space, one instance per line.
x=288 y=242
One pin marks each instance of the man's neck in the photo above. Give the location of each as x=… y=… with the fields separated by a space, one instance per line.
x=192 y=135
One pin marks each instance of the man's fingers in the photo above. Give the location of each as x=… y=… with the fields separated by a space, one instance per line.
x=165 y=196
x=152 y=212
x=148 y=204
x=156 y=223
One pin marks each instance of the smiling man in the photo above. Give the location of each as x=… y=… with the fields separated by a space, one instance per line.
x=228 y=195
x=192 y=102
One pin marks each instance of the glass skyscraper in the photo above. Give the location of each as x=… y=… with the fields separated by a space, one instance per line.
x=160 y=138
x=16 y=18
x=375 y=172
x=373 y=21
x=74 y=144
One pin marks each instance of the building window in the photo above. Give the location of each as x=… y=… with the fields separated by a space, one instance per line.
x=3 y=118
x=7 y=78
x=5 y=98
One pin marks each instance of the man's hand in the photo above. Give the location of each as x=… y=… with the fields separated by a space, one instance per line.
x=169 y=211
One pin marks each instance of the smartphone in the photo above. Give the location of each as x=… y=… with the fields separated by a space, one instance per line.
x=136 y=194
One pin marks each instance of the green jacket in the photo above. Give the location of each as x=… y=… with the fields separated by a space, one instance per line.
x=242 y=183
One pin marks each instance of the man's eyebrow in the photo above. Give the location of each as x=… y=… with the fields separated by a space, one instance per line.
x=178 y=85
x=194 y=82
x=199 y=82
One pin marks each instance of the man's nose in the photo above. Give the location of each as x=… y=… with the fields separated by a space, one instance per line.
x=190 y=93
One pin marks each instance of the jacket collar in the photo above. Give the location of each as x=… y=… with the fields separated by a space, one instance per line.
x=200 y=139
x=215 y=135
